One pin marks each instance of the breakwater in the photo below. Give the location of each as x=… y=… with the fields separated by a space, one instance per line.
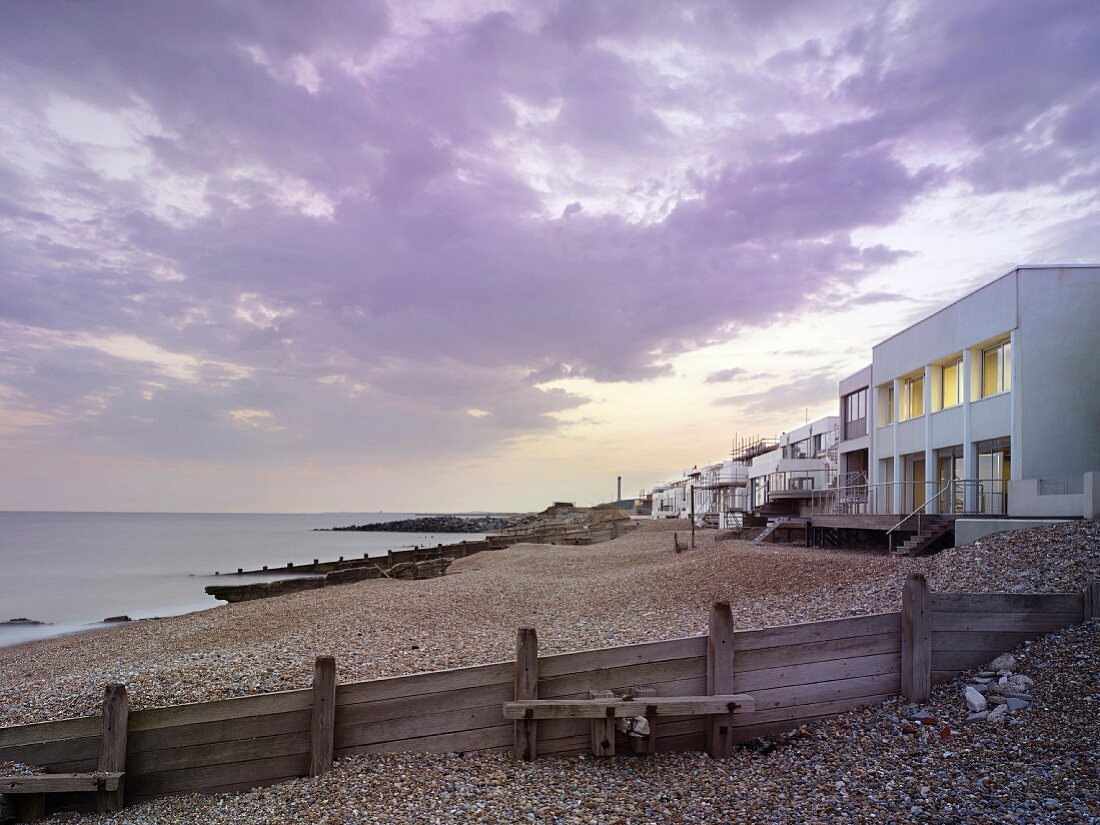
x=412 y=563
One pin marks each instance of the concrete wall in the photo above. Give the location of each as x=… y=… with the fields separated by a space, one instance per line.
x=1058 y=365
x=983 y=314
x=1024 y=500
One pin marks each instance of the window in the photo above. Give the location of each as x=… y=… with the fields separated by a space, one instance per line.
x=951 y=384
x=822 y=442
x=855 y=414
x=997 y=369
x=801 y=449
x=912 y=398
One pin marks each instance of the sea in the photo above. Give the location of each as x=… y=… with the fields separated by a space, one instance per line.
x=73 y=570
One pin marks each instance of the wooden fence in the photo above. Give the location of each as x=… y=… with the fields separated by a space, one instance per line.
x=796 y=673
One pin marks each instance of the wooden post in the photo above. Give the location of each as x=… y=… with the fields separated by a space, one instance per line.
x=720 y=678
x=112 y=745
x=692 y=488
x=916 y=639
x=322 y=726
x=527 y=687
x=645 y=744
x=1092 y=600
x=603 y=730
x=30 y=807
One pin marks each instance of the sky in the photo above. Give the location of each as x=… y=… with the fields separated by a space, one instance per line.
x=300 y=257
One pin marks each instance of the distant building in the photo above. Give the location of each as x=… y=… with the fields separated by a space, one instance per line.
x=988 y=406
x=796 y=471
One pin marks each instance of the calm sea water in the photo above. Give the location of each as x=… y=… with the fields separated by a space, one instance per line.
x=76 y=569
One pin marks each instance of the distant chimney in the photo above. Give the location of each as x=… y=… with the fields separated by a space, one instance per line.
x=619 y=495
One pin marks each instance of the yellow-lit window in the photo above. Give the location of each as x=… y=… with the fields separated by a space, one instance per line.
x=888 y=406
x=951 y=384
x=997 y=369
x=912 y=398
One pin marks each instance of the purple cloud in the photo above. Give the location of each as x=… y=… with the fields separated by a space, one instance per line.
x=333 y=228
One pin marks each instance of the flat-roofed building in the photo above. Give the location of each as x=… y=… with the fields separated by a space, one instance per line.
x=988 y=406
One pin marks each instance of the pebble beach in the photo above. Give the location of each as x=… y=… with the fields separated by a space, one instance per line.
x=1041 y=765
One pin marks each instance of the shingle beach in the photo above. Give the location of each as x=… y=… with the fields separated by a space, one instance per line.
x=1039 y=766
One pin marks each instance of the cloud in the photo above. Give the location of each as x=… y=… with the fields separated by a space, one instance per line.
x=362 y=225
x=788 y=399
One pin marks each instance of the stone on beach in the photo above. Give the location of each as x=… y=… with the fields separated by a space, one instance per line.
x=974 y=700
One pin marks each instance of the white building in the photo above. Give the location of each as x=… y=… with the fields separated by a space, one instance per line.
x=989 y=406
x=719 y=491
x=802 y=465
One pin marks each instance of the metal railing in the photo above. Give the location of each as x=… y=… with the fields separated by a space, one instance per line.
x=899 y=498
x=917 y=513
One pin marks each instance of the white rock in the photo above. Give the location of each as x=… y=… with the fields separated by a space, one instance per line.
x=998 y=712
x=974 y=700
x=1005 y=661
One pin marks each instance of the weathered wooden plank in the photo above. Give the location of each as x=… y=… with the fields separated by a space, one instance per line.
x=474 y=697
x=601 y=732
x=916 y=639
x=62 y=729
x=411 y=727
x=373 y=690
x=770 y=657
x=620 y=678
x=616 y=707
x=323 y=716
x=789 y=713
x=1007 y=602
x=248 y=727
x=960 y=660
x=688 y=742
x=827 y=691
x=644 y=744
x=222 y=709
x=774 y=728
x=603 y=658
x=217 y=753
x=720 y=679
x=1001 y=640
x=1090 y=607
x=526 y=684
x=1019 y=622
x=817 y=672
x=112 y=746
x=47 y=754
x=60 y=782
x=940 y=677
x=579 y=743
x=822 y=631
x=497 y=738
x=211 y=776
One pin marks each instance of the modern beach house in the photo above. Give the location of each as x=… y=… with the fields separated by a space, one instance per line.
x=985 y=412
x=989 y=407
x=787 y=479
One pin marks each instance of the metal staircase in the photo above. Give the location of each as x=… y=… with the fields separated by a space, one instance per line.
x=773 y=525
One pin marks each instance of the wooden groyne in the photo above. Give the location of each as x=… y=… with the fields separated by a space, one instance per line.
x=409 y=563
